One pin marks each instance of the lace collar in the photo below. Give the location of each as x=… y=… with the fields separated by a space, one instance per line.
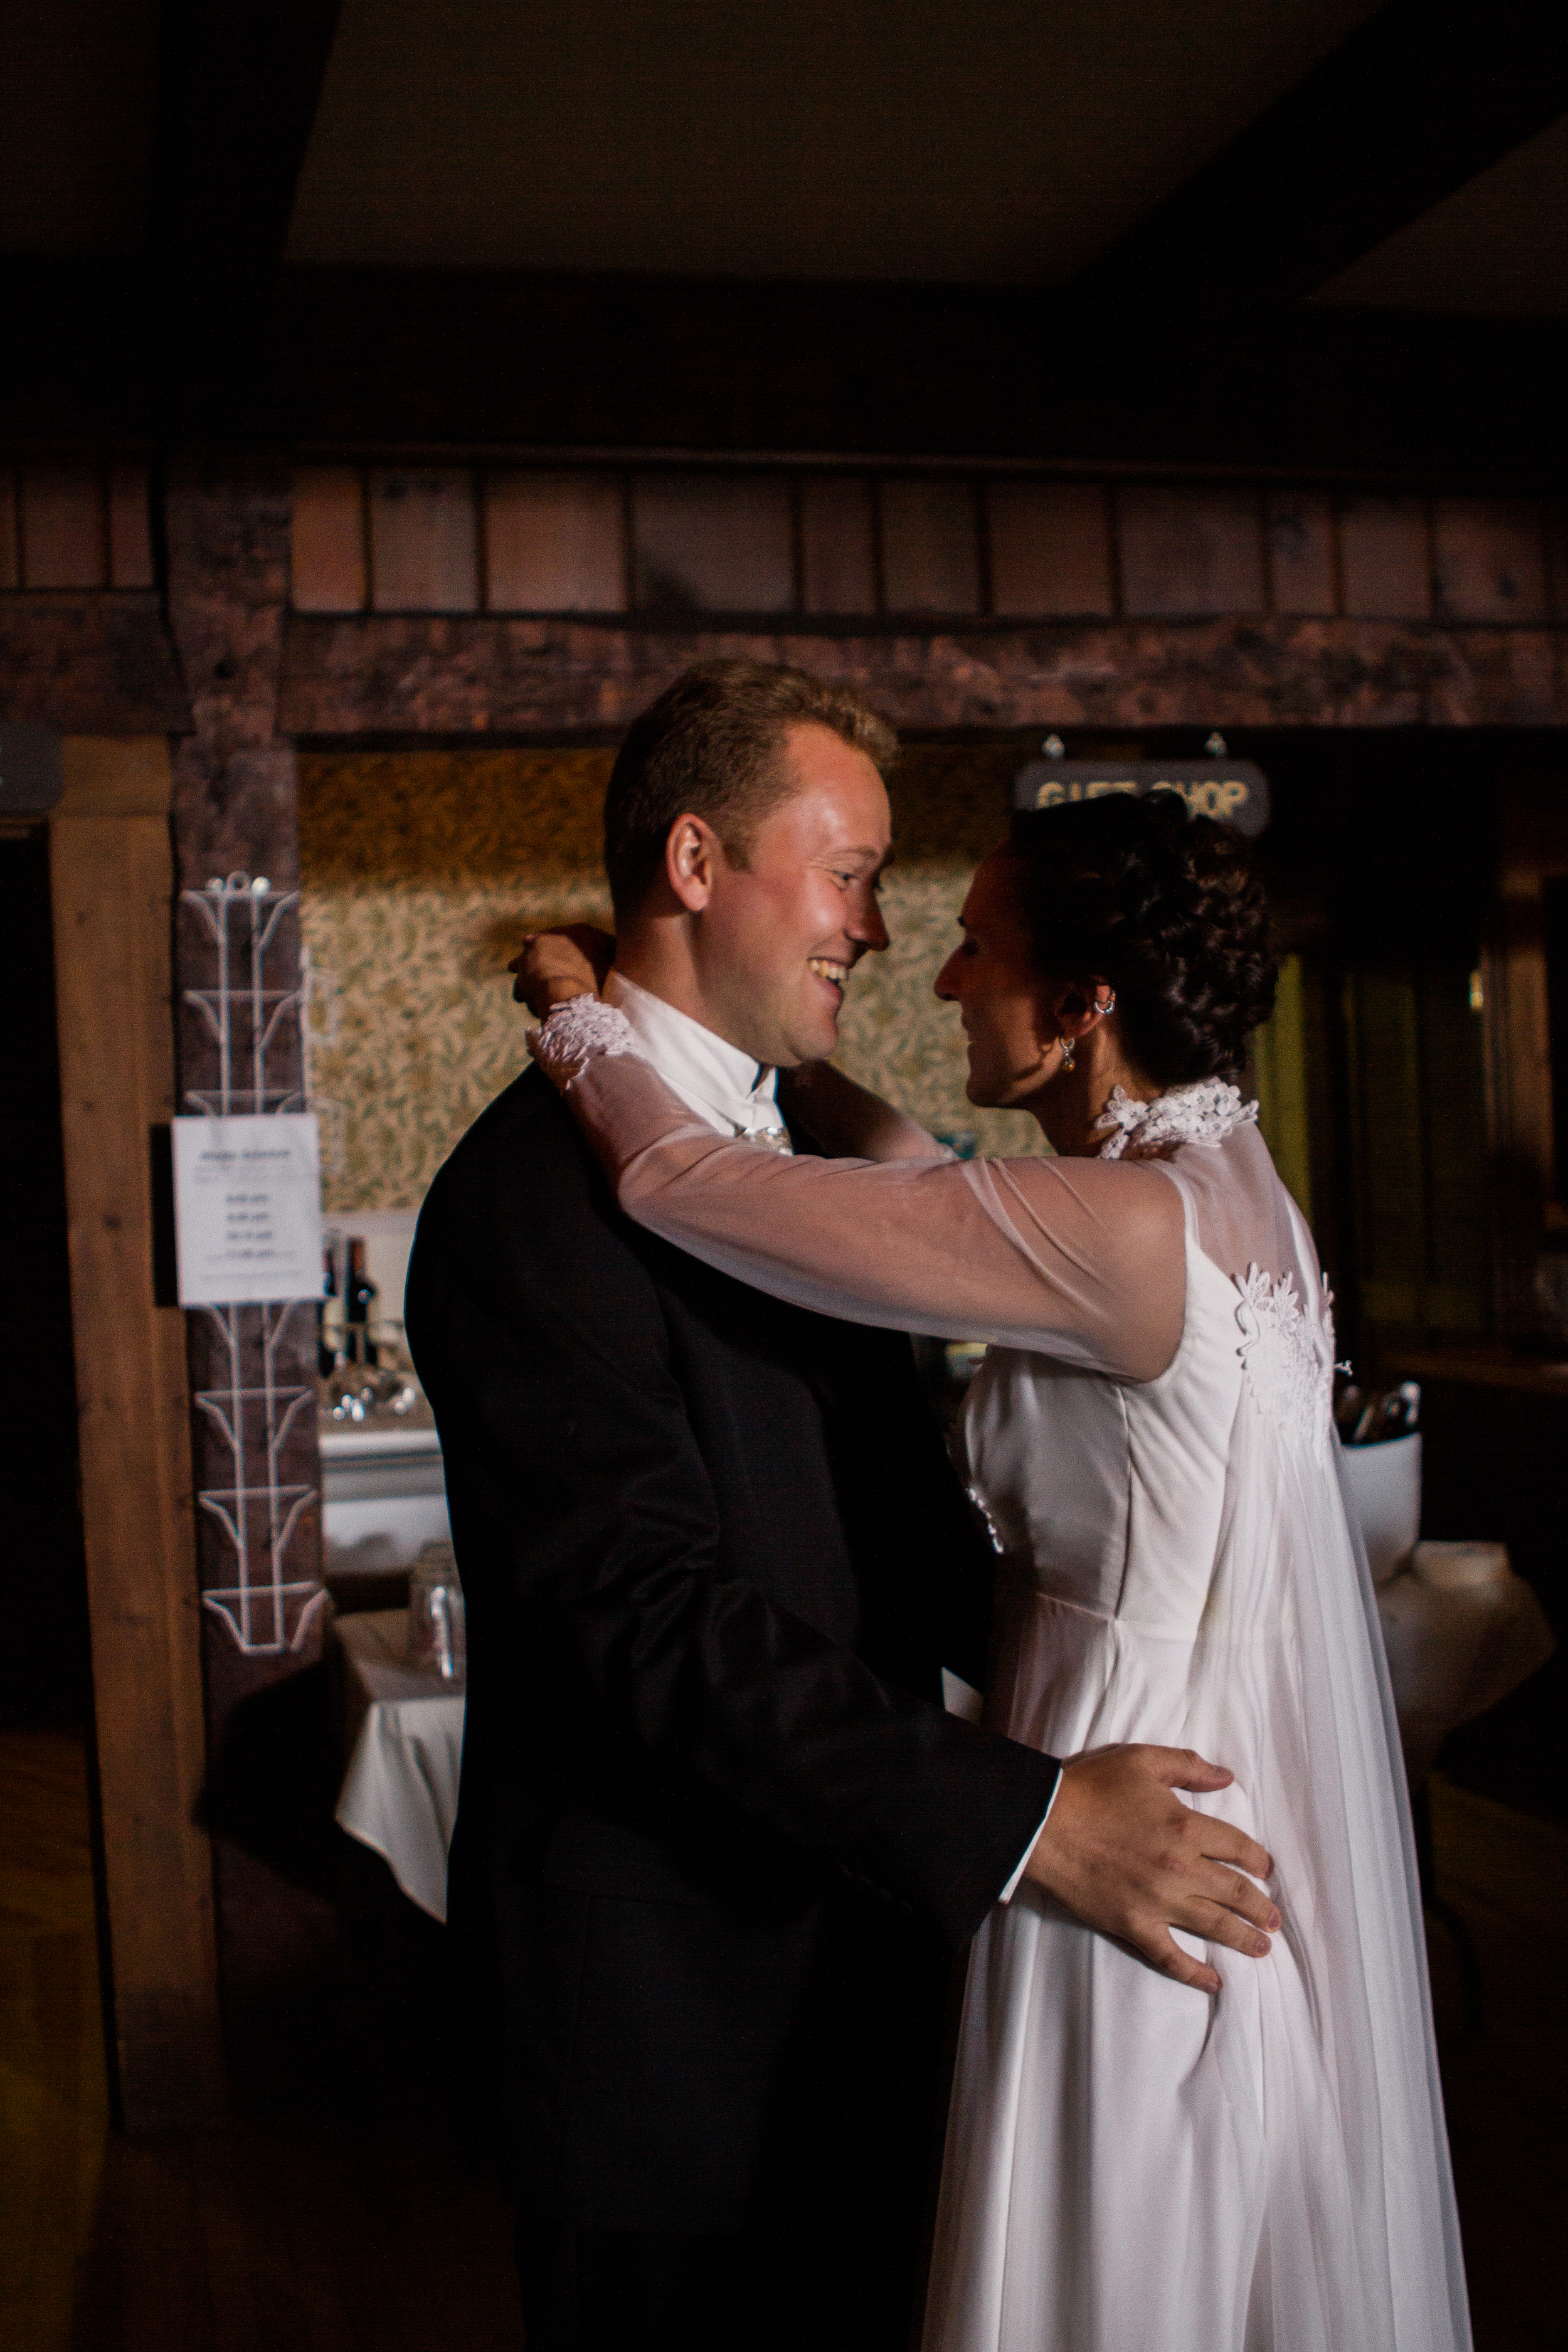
x=1205 y=1112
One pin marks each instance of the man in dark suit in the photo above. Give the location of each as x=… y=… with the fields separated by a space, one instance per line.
x=717 y=1836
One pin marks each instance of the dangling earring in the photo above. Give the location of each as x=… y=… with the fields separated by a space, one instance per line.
x=1068 y=1052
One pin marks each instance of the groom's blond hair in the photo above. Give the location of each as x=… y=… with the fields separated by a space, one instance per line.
x=710 y=747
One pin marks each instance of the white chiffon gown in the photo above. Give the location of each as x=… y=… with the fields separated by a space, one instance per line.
x=1131 y=2165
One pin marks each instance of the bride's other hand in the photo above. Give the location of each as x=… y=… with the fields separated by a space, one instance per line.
x=1128 y=1858
x=554 y=966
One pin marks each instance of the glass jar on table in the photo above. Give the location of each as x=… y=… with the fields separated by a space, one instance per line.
x=437 y=1639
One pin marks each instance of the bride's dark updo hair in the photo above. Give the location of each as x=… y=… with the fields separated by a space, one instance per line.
x=1166 y=908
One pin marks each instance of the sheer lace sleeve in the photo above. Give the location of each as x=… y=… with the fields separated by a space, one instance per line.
x=849 y=1121
x=1082 y=1260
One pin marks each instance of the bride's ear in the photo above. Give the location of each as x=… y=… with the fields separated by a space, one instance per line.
x=1058 y=1002
x=1069 y=1009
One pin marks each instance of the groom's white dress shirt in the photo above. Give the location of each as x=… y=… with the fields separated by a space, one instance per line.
x=738 y=1097
x=726 y=1089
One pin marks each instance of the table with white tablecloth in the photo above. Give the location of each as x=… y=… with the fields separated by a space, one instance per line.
x=404 y=1734
x=1456 y=1643
x=1460 y=1628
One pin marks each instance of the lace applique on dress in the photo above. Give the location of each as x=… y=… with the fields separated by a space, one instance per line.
x=983 y=1512
x=1287 y=1356
x=1205 y=1112
x=581 y=1031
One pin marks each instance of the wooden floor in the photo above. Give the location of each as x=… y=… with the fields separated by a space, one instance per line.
x=1506 y=1875
x=358 y=2227
x=361 y=2229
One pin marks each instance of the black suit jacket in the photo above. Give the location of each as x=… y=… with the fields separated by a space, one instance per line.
x=714 y=1558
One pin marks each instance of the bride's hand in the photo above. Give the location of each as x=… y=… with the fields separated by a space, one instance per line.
x=1124 y=1853
x=554 y=966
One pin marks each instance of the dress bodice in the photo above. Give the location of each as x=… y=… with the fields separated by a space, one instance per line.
x=1108 y=1494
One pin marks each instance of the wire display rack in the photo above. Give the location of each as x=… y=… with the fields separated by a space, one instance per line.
x=265 y=1610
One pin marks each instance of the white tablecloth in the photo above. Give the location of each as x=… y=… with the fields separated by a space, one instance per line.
x=1453 y=1654
x=1453 y=1651
x=400 y=1793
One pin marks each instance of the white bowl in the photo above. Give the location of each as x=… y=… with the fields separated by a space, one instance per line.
x=1383 y=1484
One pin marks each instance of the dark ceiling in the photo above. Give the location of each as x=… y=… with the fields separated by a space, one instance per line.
x=1496 y=248
x=1002 y=179
x=969 y=141
x=997 y=141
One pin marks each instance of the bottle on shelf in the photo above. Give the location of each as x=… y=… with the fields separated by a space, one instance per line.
x=362 y=1296
x=332 y=1337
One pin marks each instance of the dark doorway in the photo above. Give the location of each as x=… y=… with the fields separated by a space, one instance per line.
x=44 y=1658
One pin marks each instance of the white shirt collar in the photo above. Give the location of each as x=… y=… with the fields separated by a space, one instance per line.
x=729 y=1091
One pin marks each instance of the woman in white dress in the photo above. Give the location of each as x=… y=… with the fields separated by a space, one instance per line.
x=1131 y=2165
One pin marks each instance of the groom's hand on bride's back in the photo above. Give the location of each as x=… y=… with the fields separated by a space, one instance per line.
x=1124 y=1855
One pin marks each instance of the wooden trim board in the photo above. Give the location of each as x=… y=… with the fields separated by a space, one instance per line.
x=111 y=881
x=484 y=675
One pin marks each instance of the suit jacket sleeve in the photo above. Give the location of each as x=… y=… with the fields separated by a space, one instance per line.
x=550 y=1346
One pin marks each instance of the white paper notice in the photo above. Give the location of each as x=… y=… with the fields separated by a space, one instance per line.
x=247 y=1208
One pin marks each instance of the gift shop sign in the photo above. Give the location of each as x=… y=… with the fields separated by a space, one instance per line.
x=1233 y=790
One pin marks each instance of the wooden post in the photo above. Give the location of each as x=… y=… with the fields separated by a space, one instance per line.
x=111 y=881
x=271 y=1782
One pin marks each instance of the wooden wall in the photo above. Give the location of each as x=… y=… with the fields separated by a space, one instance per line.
x=452 y=599
x=83 y=525
x=84 y=642
x=457 y=599
x=850 y=546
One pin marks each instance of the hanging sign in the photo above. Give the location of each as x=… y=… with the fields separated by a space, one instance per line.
x=1233 y=790
x=247 y=1208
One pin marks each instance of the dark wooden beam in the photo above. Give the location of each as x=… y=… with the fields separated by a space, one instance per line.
x=179 y=338
x=95 y=664
x=481 y=679
x=80 y=347
x=1419 y=100
x=410 y=362
x=481 y=360
x=240 y=89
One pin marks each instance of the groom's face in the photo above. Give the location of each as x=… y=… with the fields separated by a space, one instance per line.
x=780 y=936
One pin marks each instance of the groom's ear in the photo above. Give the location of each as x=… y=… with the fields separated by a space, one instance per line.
x=693 y=856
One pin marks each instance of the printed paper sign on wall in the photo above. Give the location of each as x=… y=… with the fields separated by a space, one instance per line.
x=247 y=1208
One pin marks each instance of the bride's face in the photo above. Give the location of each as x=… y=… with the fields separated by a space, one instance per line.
x=990 y=977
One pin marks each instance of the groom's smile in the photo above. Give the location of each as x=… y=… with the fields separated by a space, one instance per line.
x=836 y=975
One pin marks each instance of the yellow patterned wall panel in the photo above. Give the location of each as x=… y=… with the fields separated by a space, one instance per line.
x=422 y=870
